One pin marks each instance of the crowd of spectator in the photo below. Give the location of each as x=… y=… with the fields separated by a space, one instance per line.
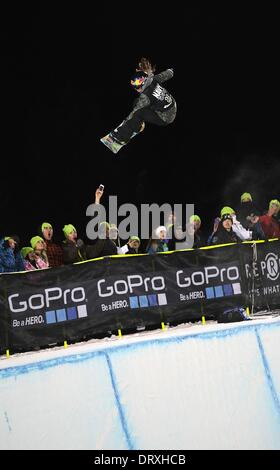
x=248 y=222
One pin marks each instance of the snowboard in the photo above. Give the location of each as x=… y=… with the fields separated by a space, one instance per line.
x=109 y=141
x=115 y=146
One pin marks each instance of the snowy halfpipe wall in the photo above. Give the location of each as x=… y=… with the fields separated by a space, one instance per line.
x=202 y=387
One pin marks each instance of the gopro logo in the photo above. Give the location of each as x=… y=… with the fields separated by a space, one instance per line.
x=39 y=301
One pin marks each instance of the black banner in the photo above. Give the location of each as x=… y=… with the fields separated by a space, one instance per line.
x=96 y=298
x=262 y=267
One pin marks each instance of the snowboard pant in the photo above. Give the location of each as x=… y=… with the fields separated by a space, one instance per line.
x=124 y=132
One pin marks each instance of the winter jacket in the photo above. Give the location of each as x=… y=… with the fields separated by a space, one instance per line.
x=38 y=264
x=54 y=253
x=9 y=261
x=240 y=231
x=223 y=236
x=270 y=226
x=102 y=247
x=157 y=98
x=73 y=252
x=247 y=209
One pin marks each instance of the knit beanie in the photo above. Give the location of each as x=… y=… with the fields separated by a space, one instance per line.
x=67 y=229
x=25 y=250
x=194 y=218
x=134 y=237
x=45 y=225
x=245 y=197
x=274 y=202
x=226 y=210
x=35 y=240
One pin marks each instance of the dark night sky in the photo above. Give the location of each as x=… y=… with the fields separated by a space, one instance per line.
x=65 y=83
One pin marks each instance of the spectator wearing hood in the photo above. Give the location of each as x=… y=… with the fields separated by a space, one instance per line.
x=11 y=259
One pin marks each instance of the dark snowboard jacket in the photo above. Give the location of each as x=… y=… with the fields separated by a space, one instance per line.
x=155 y=97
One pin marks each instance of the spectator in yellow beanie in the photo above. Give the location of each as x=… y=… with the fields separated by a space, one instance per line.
x=54 y=251
x=248 y=214
x=73 y=249
x=39 y=247
x=245 y=197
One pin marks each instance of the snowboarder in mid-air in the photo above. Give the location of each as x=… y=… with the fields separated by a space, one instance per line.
x=154 y=105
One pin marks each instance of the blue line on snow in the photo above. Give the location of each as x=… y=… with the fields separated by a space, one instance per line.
x=119 y=406
x=268 y=373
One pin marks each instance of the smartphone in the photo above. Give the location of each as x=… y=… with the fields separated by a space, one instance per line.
x=101 y=187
